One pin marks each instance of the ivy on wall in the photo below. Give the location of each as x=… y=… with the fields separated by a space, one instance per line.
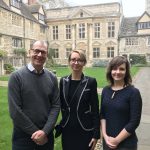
x=3 y=53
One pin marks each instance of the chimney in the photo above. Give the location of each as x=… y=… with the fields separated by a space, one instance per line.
x=25 y=1
x=30 y=2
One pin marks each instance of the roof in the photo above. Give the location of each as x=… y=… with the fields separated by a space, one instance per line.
x=34 y=8
x=2 y=4
x=95 y=10
x=25 y=11
x=129 y=26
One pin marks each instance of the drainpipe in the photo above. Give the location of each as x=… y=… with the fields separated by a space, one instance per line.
x=24 y=40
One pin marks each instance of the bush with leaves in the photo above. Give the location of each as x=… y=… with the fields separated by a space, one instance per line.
x=9 y=68
x=3 y=53
x=20 y=51
x=100 y=63
x=137 y=59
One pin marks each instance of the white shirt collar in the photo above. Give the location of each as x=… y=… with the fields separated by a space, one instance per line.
x=32 y=69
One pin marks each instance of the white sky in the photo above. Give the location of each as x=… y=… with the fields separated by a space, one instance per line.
x=131 y=8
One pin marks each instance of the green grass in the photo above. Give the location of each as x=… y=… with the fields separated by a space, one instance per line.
x=5 y=121
x=4 y=78
x=98 y=72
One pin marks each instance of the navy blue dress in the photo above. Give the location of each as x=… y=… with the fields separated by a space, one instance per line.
x=122 y=109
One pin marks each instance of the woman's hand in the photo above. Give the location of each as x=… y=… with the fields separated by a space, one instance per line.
x=110 y=142
x=113 y=141
x=92 y=143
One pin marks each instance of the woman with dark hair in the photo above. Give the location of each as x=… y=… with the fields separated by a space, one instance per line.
x=79 y=106
x=121 y=107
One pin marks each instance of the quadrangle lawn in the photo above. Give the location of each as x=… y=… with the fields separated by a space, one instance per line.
x=5 y=121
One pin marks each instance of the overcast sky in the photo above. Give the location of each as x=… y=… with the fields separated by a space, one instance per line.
x=131 y=8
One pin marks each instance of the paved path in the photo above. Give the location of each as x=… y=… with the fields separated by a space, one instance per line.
x=142 y=82
x=3 y=83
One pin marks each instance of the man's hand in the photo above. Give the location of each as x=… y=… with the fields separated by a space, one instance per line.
x=39 y=137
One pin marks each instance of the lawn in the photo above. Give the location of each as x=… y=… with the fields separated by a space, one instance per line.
x=98 y=72
x=5 y=121
x=4 y=78
x=6 y=124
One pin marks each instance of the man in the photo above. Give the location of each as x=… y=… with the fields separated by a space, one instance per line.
x=34 y=102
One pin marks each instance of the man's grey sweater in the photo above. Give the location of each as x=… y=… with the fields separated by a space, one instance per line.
x=34 y=102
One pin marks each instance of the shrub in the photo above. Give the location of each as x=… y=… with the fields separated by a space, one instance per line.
x=137 y=59
x=20 y=51
x=100 y=63
x=9 y=68
x=3 y=53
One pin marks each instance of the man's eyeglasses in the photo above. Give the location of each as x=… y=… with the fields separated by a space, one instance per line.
x=79 y=61
x=37 y=51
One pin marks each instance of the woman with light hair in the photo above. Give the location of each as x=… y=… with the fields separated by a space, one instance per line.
x=79 y=106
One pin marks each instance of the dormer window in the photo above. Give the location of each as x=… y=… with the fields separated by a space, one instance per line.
x=41 y=17
x=81 y=14
x=16 y=3
x=144 y=25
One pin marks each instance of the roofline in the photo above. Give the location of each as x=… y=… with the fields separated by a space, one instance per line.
x=141 y=35
x=109 y=3
x=20 y=15
x=63 y=19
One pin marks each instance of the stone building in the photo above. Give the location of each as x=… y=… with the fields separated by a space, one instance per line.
x=100 y=30
x=134 y=36
x=93 y=28
x=19 y=25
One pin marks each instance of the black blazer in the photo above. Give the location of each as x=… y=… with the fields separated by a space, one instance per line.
x=87 y=107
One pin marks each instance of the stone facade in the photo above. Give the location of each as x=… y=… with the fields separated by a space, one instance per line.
x=96 y=48
x=19 y=25
x=134 y=37
x=100 y=30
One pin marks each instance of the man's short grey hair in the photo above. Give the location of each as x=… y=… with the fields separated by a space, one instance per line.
x=41 y=41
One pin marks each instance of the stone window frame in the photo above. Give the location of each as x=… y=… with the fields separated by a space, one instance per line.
x=17 y=42
x=110 y=52
x=41 y=17
x=143 y=25
x=68 y=50
x=96 y=52
x=131 y=41
x=97 y=30
x=55 y=32
x=81 y=30
x=56 y=53
x=68 y=31
x=111 y=29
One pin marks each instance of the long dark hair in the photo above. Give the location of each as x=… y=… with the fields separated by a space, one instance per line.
x=114 y=63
